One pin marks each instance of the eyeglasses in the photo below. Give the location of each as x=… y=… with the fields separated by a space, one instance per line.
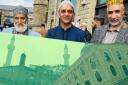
x=116 y=11
x=68 y=11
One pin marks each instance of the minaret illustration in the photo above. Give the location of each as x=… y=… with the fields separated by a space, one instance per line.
x=66 y=55
x=11 y=48
x=22 y=59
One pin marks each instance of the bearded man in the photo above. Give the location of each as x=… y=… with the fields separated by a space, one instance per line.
x=20 y=21
x=116 y=31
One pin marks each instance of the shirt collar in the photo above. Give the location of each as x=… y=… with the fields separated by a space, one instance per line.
x=67 y=28
x=117 y=30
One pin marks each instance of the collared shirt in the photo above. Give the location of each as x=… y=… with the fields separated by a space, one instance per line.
x=111 y=36
x=22 y=33
x=30 y=33
x=71 y=34
x=100 y=34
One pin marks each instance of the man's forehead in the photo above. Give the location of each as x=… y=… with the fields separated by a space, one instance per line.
x=66 y=6
x=114 y=7
x=20 y=15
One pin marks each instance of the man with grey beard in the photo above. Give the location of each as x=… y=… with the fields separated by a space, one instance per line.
x=20 y=19
x=116 y=31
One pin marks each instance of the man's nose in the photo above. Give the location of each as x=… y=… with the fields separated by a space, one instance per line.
x=113 y=15
x=66 y=13
x=19 y=20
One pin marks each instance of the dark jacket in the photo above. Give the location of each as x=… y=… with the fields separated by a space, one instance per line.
x=71 y=34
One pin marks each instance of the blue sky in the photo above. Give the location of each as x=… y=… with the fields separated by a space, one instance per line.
x=27 y=3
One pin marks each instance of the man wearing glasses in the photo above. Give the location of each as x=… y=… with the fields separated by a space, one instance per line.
x=117 y=30
x=65 y=30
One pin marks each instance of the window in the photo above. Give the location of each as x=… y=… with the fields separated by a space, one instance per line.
x=75 y=77
x=125 y=69
x=113 y=70
x=69 y=81
x=78 y=84
x=98 y=77
x=87 y=82
x=119 y=55
x=93 y=63
x=101 y=2
x=82 y=71
x=106 y=55
x=64 y=83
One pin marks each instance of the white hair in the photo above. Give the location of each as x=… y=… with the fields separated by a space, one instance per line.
x=66 y=2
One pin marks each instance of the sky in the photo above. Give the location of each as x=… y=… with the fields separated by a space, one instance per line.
x=27 y=3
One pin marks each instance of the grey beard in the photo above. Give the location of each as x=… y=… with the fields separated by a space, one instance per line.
x=20 y=29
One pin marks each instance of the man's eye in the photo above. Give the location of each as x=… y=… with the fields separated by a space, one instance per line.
x=22 y=17
x=117 y=11
x=16 y=18
x=110 y=12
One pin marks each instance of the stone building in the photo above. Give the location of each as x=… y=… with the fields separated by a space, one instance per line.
x=40 y=12
x=104 y=65
x=85 y=12
x=52 y=11
x=6 y=12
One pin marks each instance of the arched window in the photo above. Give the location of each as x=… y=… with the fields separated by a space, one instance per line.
x=75 y=77
x=64 y=83
x=98 y=77
x=119 y=55
x=87 y=82
x=82 y=71
x=93 y=63
x=113 y=70
x=125 y=69
x=69 y=81
x=78 y=84
x=106 y=55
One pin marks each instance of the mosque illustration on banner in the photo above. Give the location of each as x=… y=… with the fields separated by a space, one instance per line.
x=97 y=65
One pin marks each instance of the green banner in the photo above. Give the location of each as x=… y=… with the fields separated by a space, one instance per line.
x=26 y=60
x=38 y=51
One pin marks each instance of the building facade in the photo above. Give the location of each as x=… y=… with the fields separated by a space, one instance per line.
x=85 y=12
x=52 y=13
x=106 y=66
x=40 y=12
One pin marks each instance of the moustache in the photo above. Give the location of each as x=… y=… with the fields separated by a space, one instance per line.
x=114 y=20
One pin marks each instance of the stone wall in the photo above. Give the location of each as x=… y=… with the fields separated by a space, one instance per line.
x=40 y=10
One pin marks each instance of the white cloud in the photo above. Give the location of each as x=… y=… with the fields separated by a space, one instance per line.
x=28 y=3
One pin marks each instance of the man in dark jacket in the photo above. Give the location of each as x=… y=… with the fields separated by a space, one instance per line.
x=65 y=30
